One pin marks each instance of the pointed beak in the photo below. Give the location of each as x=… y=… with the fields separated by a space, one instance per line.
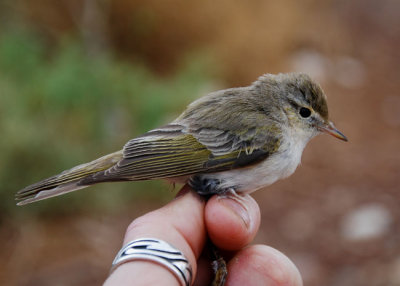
x=331 y=130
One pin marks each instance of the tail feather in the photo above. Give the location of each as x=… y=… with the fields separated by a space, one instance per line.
x=44 y=194
x=67 y=181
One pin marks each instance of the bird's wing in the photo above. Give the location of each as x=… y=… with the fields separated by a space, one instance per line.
x=173 y=151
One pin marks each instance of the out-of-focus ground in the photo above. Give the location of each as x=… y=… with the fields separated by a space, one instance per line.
x=80 y=78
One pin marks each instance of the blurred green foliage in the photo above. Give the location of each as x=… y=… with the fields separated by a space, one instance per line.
x=60 y=107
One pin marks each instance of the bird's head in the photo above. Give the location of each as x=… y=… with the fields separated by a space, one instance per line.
x=302 y=103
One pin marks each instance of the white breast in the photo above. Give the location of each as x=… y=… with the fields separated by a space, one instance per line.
x=277 y=166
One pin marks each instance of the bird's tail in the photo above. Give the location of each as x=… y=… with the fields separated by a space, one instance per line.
x=67 y=181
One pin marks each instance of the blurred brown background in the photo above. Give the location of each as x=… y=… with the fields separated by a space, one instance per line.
x=80 y=78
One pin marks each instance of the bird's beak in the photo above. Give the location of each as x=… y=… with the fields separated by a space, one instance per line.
x=330 y=129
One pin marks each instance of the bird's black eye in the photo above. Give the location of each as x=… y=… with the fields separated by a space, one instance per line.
x=305 y=112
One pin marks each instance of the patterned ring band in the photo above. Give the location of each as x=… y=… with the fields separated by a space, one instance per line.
x=152 y=249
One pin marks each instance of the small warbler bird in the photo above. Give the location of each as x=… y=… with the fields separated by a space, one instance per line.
x=234 y=140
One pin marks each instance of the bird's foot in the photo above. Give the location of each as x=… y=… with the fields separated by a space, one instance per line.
x=231 y=193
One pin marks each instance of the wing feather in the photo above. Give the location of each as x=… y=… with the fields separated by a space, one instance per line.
x=175 y=151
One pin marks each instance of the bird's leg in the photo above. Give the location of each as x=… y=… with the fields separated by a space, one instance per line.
x=218 y=264
x=207 y=187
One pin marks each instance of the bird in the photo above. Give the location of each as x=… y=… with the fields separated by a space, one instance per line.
x=235 y=140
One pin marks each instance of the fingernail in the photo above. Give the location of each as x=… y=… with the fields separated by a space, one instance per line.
x=238 y=208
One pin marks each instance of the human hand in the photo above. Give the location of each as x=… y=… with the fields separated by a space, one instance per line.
x=185 y=223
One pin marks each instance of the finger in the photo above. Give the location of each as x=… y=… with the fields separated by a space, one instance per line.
x=180 y=223
x=230 y=224
x=262 y=265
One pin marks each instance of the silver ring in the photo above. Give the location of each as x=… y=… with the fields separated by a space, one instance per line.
x=158 y=251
